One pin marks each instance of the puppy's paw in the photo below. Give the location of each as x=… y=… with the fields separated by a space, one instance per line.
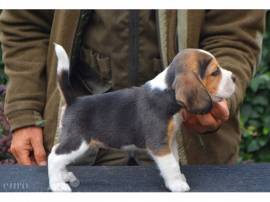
x=60 y=187
x=183 y=177
x=178 y=185
x=71 y=178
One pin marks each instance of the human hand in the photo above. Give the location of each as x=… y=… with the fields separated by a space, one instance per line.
x=27 y=146
x=207 y=122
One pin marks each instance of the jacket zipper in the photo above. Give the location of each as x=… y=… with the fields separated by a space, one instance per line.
x=133 y=59
x=159 y=39
x=75 y=49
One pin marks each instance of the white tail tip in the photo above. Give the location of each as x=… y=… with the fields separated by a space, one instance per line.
x=63 y=60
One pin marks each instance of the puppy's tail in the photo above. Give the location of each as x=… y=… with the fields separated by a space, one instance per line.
x=63 y=73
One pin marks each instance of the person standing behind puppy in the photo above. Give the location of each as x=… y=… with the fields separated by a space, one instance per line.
x=111 y=50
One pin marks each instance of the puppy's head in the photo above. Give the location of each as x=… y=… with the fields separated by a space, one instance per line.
x=199 y=80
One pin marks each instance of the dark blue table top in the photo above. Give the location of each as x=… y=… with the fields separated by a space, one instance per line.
x=236 y=178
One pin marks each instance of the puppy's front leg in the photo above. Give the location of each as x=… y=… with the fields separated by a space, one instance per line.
x=170 y=171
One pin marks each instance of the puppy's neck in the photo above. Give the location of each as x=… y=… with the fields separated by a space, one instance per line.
x=160 y=82
x=164 y=80
x=161 y=91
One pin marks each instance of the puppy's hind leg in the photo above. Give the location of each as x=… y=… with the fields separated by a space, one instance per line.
x=59 y=158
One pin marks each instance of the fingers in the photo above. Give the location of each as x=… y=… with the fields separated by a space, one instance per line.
x=39 y=151
x=207 y=122
x=21 y=153
x=201 y=123
x=221 y=111
x=27 y=146
x=195 y=127
x=24 y=158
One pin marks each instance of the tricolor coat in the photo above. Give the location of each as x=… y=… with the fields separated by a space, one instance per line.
x=27 y=38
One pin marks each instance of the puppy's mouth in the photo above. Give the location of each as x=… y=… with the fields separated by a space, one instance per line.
x=216 y=98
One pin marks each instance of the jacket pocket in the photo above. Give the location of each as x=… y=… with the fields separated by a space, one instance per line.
x=104 y=67
x=95 y=71
x=97 y=62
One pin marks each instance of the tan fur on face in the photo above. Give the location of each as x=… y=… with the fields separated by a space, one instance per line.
x=211 y=82
x=192 y=63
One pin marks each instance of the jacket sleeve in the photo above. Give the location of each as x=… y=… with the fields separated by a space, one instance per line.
x=24 y=36
x=235 y=38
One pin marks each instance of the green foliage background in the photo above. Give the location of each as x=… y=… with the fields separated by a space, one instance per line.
x=255 y=111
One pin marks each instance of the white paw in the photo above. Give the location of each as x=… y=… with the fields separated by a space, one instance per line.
x=71 y=178
x=183 y=177
x=178 y=185
x=60 y=187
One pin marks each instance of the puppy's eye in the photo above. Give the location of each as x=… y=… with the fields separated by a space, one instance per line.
x=216 y=72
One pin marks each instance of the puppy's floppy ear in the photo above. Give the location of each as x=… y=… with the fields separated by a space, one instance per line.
x=191 y=93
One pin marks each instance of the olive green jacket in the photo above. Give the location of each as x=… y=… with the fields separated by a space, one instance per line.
x=27 y=37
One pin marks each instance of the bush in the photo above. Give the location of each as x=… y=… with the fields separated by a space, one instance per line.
x=255 y=111
x=5 y=134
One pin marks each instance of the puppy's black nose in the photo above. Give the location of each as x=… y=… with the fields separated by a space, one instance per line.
x=233 y=78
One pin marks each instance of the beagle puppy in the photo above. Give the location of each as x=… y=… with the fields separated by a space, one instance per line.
x=141 y=116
